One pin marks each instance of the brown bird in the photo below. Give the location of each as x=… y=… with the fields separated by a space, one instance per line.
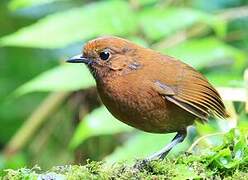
x=149 y=91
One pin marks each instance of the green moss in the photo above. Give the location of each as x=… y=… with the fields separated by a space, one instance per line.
x=171 y=169
x=182 y=167
x=227 y=161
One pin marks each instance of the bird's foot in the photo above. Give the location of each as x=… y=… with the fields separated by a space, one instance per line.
x=142 y=164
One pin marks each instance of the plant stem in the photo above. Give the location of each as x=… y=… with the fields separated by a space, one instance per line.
x=32 y=124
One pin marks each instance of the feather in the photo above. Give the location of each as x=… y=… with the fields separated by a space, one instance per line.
x=194 y=93
x=207 y=103
x=188 y=107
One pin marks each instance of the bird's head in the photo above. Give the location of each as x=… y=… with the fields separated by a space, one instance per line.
x=109 y=56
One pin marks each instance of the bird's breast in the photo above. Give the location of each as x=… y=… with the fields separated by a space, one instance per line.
x=135 y=103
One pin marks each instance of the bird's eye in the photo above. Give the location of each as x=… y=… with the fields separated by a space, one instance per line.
x=104 y=55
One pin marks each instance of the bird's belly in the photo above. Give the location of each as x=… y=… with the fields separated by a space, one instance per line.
x=146 y=110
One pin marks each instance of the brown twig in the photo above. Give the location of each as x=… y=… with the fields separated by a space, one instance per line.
x=200 y=29
x=30 y=126
x=181 y=36
x=234 y=13
x=40 y=142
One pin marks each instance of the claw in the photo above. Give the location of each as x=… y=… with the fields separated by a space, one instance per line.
x=141 y=164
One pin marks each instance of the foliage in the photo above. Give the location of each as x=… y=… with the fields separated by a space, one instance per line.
x=63 y=28
x=225 y=161
x=63 y=76
x=37 y=35
x=99 y=122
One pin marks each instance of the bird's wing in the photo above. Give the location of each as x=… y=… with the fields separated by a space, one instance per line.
x=192 y=92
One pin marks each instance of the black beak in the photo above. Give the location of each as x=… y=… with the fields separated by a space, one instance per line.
x=78 y=59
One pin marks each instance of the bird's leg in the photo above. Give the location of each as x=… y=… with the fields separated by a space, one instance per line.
x=180 y=136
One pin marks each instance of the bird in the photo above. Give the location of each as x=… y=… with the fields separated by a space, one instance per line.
x=149 y=91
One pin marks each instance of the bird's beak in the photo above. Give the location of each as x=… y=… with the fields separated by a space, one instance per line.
x=78 y=59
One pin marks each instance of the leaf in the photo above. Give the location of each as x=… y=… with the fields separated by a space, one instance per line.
x=227 y=78
x=69 y=77
x=146 y=2
x=233 y=152
x=16 y=161
x=204 y=52
x=16 y=4
x=159 y=23
x=63 y=28
x=98 y=122
x=142 y=145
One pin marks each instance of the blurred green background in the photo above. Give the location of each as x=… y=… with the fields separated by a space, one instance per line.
x=49 y=111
